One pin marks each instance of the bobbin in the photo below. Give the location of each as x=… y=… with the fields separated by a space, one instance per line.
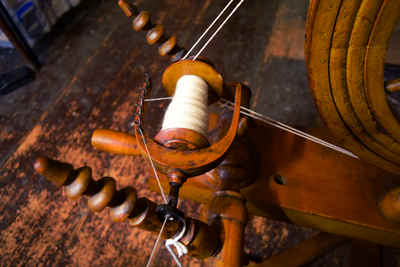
x=192 y=67
x=183 y=138
x=190 y=162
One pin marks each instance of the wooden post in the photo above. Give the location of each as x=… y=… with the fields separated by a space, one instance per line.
x=228 y=209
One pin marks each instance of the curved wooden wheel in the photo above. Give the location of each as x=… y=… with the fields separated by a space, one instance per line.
x=346 y=43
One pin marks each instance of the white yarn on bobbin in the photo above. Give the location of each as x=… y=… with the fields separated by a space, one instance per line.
x=188 y=108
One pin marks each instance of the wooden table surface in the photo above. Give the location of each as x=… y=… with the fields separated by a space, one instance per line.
x=91 y=82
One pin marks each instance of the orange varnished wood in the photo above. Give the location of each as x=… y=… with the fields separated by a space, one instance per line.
x=228 y=209
x=189 y=67
x=144 y=216
x=115 y=142
x=335 y=194
x=201 y=240
x=233 y=231
x=239 y=167
x=181 y=138
x=141 y=21
x=167 y=46
x=55 y=171
x=155 y=33
x=346 y=43
x=193 y=162
x=128 y=9
x=40 y=226
x=390 y=205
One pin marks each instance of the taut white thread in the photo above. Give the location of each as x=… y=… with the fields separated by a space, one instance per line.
x=153 y=167
x=219 y=28
x=156 y=243
x=188 y=108
x=393 y=85
x=280 y=125
x=208 y=29
x=158 y=99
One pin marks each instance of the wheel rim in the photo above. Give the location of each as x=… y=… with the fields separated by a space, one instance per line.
x=346 y=46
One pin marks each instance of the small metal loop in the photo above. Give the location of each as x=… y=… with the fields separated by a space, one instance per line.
x=180 y=247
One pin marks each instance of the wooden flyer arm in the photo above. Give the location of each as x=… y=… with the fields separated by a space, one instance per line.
x=115 y=142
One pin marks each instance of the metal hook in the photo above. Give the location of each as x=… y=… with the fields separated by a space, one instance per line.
x=179 y=246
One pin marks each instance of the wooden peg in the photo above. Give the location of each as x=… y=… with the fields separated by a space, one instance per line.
x=167 y=47
x=141 y=21
x=103 y=197
x=154 y=34
x=55 y=171
x=80 y=185
x=122 y=211
x=115 y=142
x=129 y=9
x=390 y=205
x=102 y=193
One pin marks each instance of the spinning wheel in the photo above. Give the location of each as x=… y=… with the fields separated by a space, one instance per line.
x=346 y=48
x=205 y=153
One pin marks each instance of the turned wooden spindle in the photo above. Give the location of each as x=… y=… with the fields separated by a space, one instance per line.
x=155 y=32
x=78 y=182
x=115 y=142
x=201 y=240
x=129 y=9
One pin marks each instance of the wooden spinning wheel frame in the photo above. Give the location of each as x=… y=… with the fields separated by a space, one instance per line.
x=345 y=52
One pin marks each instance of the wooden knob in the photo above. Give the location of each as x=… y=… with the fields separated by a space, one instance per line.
x=115 y=142
x=128 y=9
x=121 y=212
x=390 y=205
x=167 y=47
x=140 y=22
x=81 y=183
x=154 y=34
x=55 y=171
x=101 y=199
